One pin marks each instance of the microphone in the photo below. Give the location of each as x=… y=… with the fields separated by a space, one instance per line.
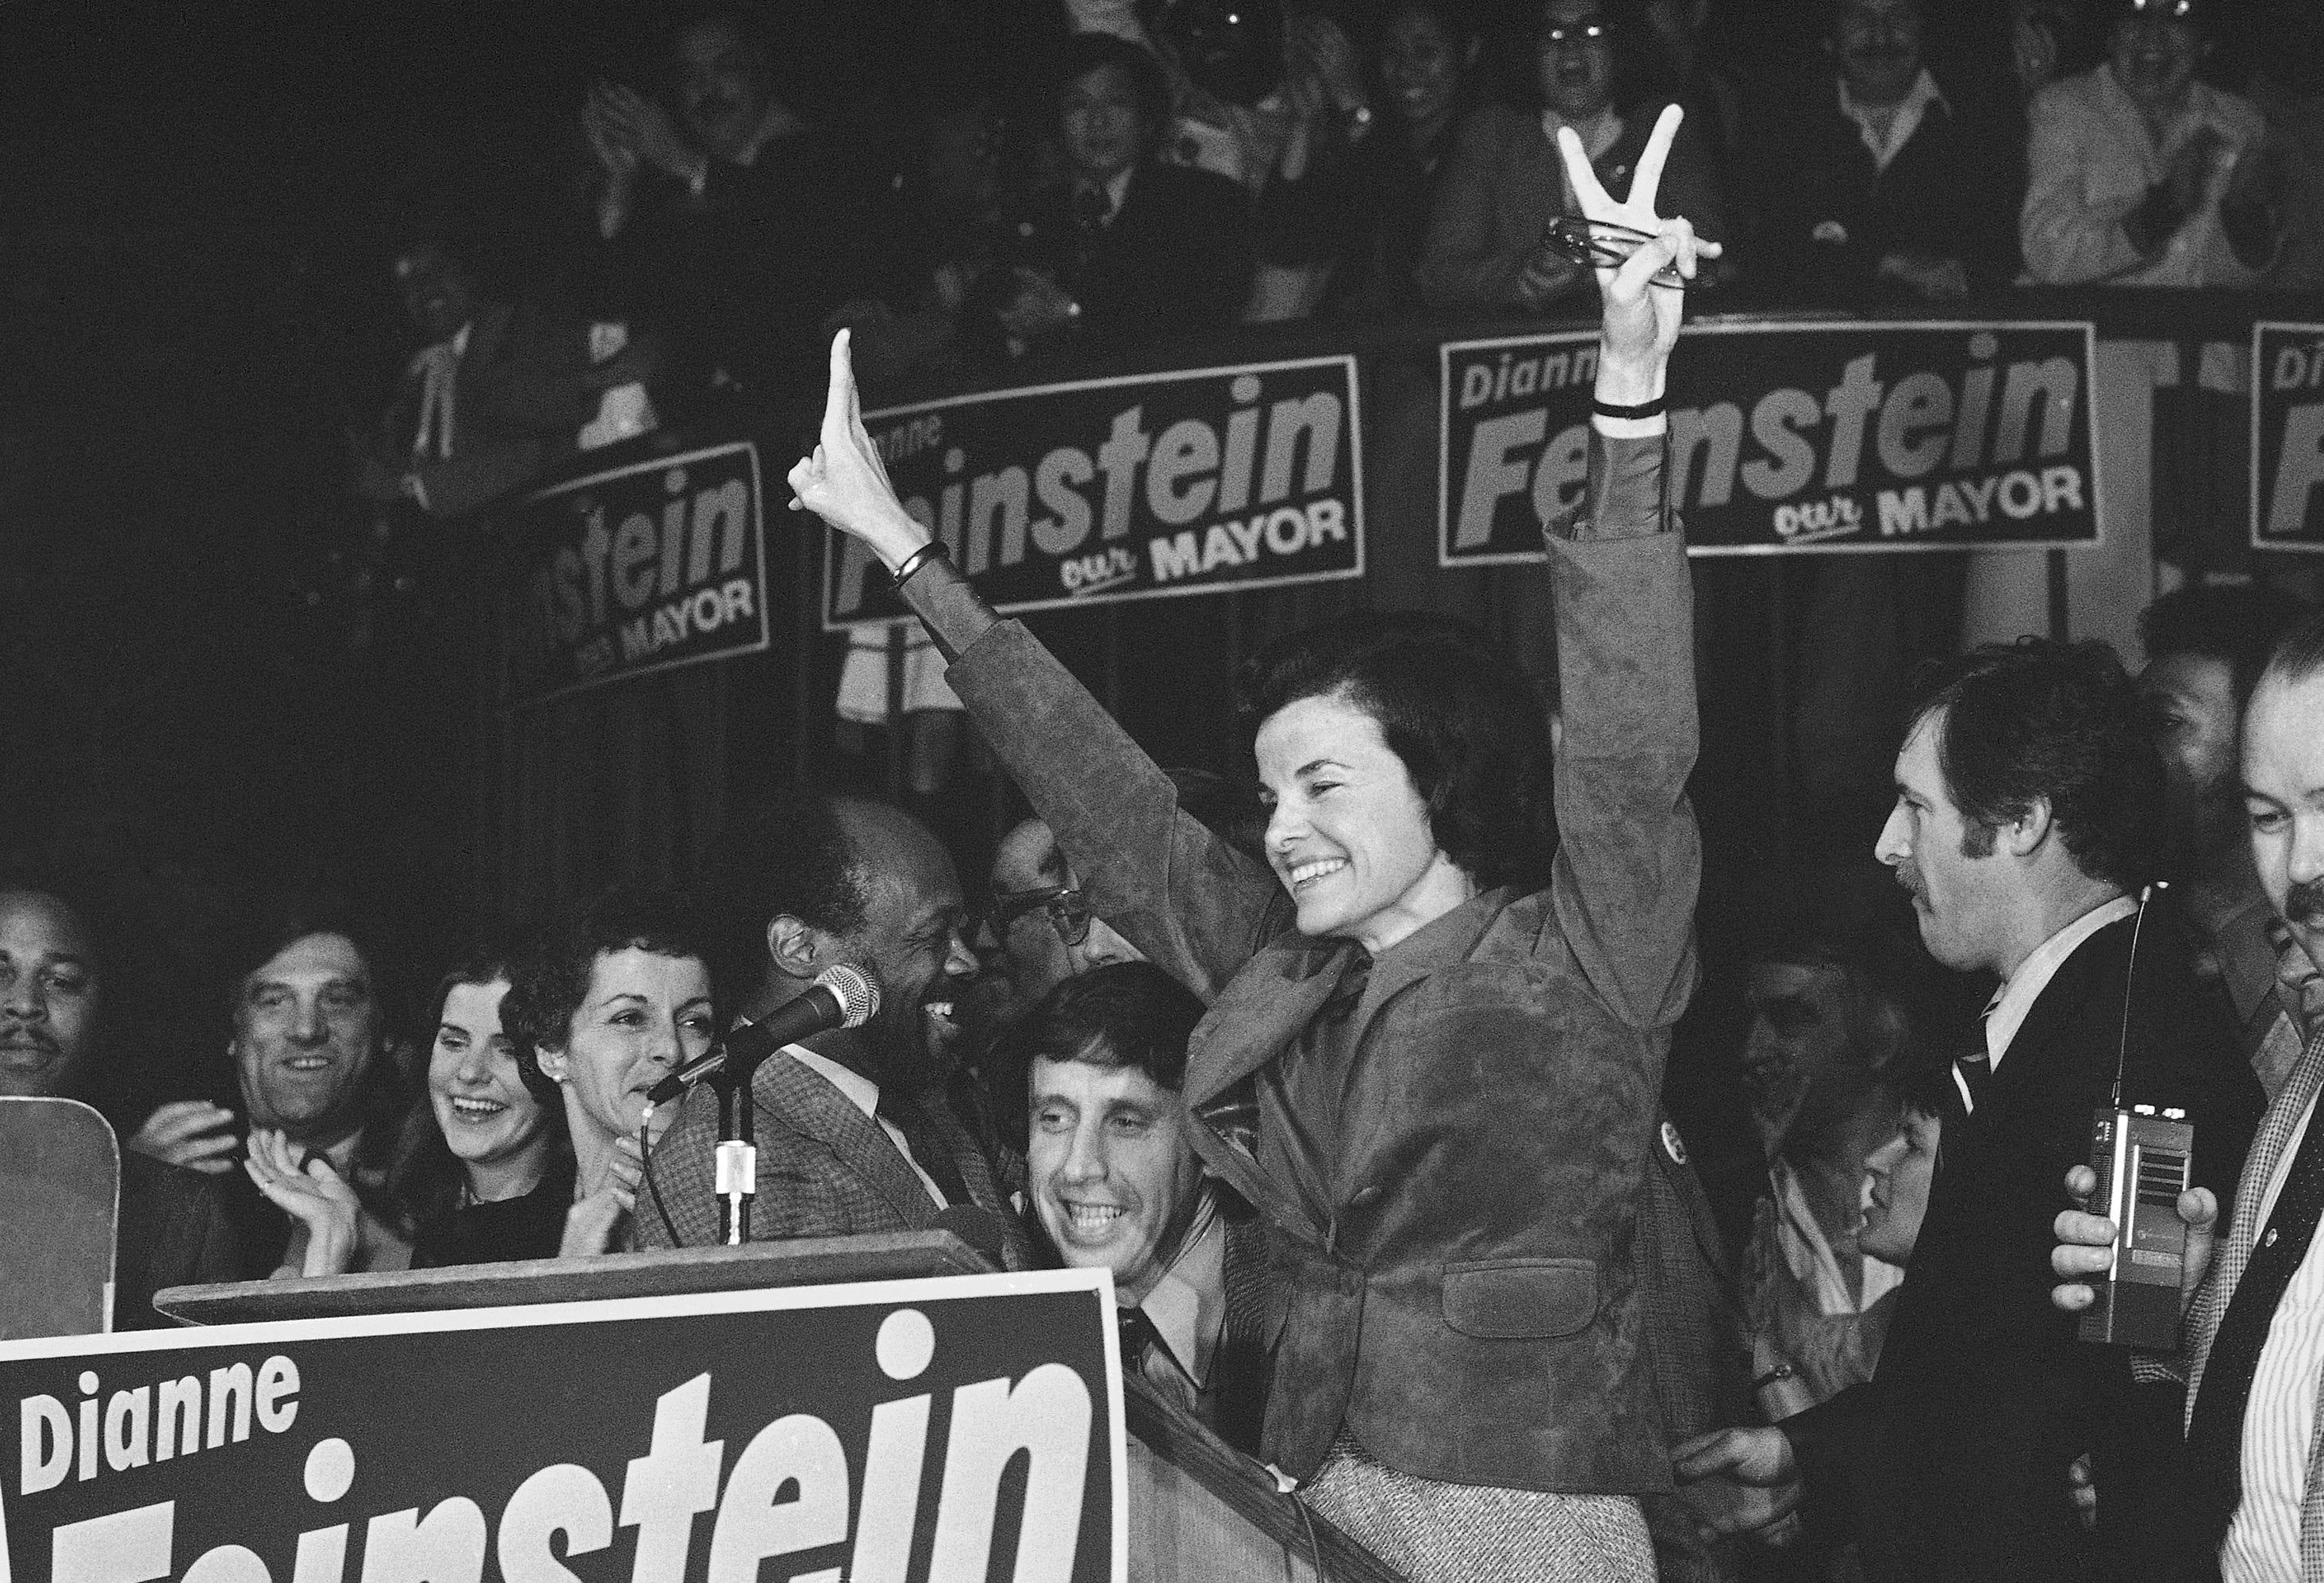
x=841 y=996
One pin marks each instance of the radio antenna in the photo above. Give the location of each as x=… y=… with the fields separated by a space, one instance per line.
x=2130 y=977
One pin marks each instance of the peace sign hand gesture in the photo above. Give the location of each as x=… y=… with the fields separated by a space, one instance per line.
x=1641 y=322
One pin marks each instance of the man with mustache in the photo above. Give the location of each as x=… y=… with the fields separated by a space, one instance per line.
x=852 y=1131
x=2250 y=1493
x=2028 y=801
x=1882 y=186
x=2141 y=175
x=172 y=1228
x=724 y=211
x=2206 y=647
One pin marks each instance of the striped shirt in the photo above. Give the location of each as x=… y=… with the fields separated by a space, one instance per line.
x=2262 y=1542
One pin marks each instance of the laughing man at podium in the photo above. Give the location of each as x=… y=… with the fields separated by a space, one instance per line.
x=853 y=1132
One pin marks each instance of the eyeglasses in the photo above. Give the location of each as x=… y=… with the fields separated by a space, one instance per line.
x=1588 y=33
x=1069 y=915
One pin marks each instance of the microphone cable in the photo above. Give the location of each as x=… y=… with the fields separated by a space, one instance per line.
x=645 y=1153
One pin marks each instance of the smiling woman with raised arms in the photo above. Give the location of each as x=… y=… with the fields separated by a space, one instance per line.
x=1437 y=1079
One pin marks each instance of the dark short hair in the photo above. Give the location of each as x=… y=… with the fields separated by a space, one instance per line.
x=1467 y=727
x=552 y=978
x=2298 y=654
x=1095 y=51
x=1928 y=1088
x=1228 y=808
x=2238 y=624
x=2042 y=720
x=784 y=853
x=1124 y=1013
x=280 y=923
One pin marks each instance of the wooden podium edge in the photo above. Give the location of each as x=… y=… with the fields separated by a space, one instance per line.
x=1247 y=1488
x=820 y=1261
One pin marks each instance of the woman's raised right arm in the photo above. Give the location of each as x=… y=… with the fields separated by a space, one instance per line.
x=1194 y=905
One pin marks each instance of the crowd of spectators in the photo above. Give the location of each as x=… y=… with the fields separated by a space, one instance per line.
x=1066 y=188
x=1146 y=1040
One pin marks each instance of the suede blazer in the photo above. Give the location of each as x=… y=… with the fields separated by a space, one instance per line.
x=826 y=1169
x=1470 y=1306
x=1983 y=1394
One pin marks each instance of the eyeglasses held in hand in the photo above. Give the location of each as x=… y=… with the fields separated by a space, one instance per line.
x=1603 y=245
x=1069 y=915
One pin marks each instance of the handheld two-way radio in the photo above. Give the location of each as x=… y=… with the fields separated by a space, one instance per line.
x=2141 y=1155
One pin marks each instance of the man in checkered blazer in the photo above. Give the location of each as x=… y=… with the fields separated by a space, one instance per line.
x=853 y=1132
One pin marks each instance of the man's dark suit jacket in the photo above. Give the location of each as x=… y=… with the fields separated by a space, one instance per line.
x=1173 y=261
x=826 y=1169
x=1951 y=1462
x=173 y=1231
x=520 y=400
x=1952 y=191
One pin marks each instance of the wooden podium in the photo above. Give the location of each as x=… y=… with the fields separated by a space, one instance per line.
x=1200 y=1512
x=819 y=1261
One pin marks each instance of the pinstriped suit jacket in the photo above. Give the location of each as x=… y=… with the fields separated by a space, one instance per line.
x=2275 y=1133
x=826 y=1169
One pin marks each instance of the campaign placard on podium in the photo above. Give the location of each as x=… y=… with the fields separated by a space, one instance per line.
x=957 y=1430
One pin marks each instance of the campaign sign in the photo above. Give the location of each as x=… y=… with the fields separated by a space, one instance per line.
x=1208 y=480
x=2287 y=486
x=1791 y=438
x=953 y=1431
x=643 y=569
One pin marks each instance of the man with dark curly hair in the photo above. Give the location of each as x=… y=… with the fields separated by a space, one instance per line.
x=2028 y=807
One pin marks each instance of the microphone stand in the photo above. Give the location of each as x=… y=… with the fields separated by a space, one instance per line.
x=736 y=1176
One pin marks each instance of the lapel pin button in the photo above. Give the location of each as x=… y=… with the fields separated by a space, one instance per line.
x=2270 y=1240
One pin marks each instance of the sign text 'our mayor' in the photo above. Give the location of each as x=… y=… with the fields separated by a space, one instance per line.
x=637 y=569
x=1789 y=438
x=1209 y=481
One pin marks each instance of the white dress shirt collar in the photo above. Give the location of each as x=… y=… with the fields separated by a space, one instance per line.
x=2011 y=1003
x=1902 y=122
x=1188 y=1303
x=863 y=1093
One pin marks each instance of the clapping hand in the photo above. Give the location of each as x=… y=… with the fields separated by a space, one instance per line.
x=626 y=127
x=192 y=1133
x=1641 y=321
x=601 y=1208
x=315 y=1195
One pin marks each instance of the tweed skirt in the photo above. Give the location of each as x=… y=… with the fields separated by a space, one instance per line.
x=1435 y=1532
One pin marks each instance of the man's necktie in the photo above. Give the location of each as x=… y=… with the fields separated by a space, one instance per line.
x=1092 y=207
x=1971 y=1070
x=438 y=369
x=927 y=1145
x=1139 y=1338
x=2215 y=1436
x=1973 y=1067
